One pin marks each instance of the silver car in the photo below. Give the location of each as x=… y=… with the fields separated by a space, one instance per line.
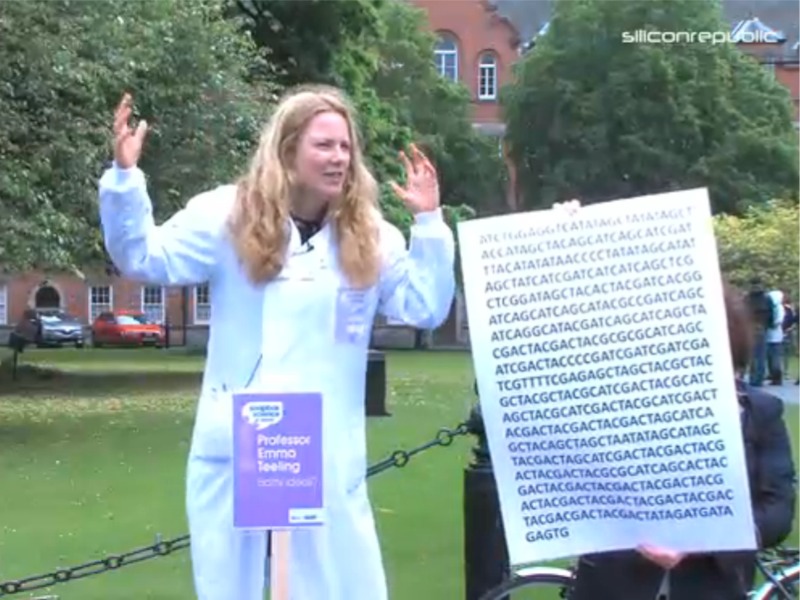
x=49 y=327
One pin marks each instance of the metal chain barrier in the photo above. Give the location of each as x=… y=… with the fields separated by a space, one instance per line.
x=398 y=458
x=95 y=567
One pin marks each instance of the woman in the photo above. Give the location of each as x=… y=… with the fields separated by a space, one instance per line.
x=298 y=260
x=650 y=573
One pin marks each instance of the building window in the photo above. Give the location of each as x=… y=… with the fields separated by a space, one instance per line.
x=487 y=77
x=202 y=304
x=100 y=300
x=3 y=304
x=447 y=57
x=153 y=303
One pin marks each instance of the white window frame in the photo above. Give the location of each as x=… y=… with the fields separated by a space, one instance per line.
x=103 y=307
x=447 y=51
x=159 y=308
x=487 y=77
x=3 y=303
x=198 y=317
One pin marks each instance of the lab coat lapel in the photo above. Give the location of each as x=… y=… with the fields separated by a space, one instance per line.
x=299 y=295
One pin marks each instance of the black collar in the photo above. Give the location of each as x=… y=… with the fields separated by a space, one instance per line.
x=306 y=228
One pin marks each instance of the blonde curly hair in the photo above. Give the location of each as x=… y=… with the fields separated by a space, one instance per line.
x=258 y=223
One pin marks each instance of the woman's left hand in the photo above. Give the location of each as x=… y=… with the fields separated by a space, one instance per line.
x=421 y=193
x=663 y=557
x=571 y=208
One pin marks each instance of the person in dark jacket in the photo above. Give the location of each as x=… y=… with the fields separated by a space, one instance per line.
x=649 y=573
x=762 y=314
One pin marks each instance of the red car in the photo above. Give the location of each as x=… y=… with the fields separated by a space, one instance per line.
x=126 y=328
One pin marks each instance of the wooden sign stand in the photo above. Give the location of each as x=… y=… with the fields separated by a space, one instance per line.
x=279 y=565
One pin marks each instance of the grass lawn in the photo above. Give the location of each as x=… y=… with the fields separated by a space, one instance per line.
x=793 y=370
x=92 y=463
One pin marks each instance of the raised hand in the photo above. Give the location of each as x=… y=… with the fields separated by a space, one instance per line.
x=421 y=193
x=571 y=208
x=127 y=141
x=663 y=557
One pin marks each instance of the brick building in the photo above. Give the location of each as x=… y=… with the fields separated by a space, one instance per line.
x=477 y=45
x=778 y=53
x=186 y=310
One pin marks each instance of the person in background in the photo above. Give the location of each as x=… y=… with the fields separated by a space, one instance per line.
x=299 y=260
x=791 y=343
x=774 y=337
x=649 y=573
x=761 y=311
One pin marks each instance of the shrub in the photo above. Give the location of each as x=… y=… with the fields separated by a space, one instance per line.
x=764 y=242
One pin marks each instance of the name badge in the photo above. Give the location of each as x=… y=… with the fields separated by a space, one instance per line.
x=352 y=308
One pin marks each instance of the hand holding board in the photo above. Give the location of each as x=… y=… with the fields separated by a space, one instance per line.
x=601 y=352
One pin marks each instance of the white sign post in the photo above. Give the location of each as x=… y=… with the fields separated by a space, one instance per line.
x=601 y=352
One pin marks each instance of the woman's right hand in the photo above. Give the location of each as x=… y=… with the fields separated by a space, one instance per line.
x=127 y=142
x=665 y=558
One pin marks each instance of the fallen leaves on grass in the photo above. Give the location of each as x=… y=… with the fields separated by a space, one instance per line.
x=47 y=409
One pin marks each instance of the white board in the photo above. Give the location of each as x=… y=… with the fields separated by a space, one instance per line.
x=601 y=351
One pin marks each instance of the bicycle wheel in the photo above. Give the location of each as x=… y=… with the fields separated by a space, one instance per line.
x=546 y=583
x=789 y=582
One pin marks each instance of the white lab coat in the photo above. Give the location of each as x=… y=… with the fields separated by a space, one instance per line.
x=287 y=326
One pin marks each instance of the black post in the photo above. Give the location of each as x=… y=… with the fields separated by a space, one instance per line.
x=17 y=344
x=485 y=555
x=14 y=365
x=166 y=330
x=375 y=393
x=185 y=314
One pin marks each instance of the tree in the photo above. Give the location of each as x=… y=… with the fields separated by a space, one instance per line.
x=65 y=65
x=593 y=117
x=764 y=243
x=301 y=40
x=334 y=43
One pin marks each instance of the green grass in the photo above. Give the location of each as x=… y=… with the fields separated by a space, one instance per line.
x=92 y=463
x=793 y=370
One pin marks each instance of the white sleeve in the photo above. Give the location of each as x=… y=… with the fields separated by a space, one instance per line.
x=417 y=285
x=181 y=251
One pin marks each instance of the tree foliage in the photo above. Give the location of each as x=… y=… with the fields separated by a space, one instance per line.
x=205 y=75
x=334 y=43
x=302 y=39
x=437 y=110
x=761 y=243
x=64 y=66
x=593 y=117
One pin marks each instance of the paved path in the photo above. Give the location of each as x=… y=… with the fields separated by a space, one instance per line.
x=788 y=392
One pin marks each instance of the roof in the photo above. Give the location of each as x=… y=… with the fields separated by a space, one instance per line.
x=754 y=30
x=746 y=17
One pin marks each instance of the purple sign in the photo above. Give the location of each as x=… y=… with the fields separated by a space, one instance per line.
x=277 y=460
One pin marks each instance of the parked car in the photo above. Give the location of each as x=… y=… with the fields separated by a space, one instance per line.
x=49 y=327
x=126 y=328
